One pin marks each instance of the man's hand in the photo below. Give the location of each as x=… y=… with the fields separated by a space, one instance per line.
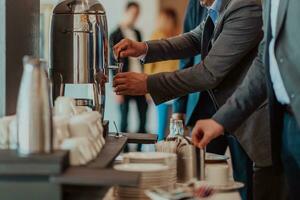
x=130 y=83
x=128 y=48
x=205 y=131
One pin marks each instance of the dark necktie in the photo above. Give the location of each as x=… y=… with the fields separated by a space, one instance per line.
x=208 y=31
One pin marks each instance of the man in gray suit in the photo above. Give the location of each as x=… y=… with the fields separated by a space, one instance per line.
x=275 y=74
x=228 y=51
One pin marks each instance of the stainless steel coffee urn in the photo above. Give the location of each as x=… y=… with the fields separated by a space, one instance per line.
x=79 y=52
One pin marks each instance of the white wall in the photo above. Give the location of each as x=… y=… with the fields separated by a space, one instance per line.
x=115 y=8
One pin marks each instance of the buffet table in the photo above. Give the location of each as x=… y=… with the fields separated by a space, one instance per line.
x=49 y=177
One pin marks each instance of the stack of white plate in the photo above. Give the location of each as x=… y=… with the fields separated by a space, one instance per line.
x=169 y=159
x=152 y=175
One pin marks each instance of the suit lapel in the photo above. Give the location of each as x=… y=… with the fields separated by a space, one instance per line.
x=207 y=36
x=267 y=38
x=281 y=15
x=224 y=5
x=267 y=26
x=220 y=18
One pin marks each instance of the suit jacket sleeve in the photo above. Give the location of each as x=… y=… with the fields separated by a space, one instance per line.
x=183 y=46
x=179 y=105
x=195 y=14
x=247 y=98
x=240 y=34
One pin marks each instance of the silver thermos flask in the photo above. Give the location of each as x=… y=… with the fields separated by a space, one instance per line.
x=34 y=115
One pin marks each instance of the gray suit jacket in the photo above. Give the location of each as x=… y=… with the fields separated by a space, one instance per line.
x=234 y=46
x=252 y=92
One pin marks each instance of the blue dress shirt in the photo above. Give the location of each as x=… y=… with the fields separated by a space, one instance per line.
x=195 y=15
x=214 y=10
x=278 y=86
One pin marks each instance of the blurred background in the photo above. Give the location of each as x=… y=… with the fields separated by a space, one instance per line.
x=146 y=24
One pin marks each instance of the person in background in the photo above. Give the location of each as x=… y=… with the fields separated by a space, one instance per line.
x=195 y=106
x=167 y=27
x=126 y=29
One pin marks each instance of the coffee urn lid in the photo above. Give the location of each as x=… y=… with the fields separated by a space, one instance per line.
x=79 y=7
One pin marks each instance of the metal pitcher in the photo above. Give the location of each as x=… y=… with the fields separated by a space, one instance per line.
x=34 y=115
x=198 y=163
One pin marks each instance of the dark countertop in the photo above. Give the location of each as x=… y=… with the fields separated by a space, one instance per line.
x=11 y=163
x=98 y=172
x=141 y=138
x=112 y=148
x=96 y=177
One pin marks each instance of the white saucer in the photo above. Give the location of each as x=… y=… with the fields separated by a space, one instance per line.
x=149 y=155
x=232 y=185
x=140 y=167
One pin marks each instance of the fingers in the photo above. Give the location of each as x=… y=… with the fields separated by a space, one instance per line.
x=121 y=47
x=127 y=53
x=105 y=78
x=130 y=83
x=120 y=78
x=119 y=81
x=121 y=89
x=204 y=142
x=121 y=75
x=197 y=135
x=200 y=136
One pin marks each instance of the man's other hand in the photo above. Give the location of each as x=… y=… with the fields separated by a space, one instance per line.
x=128 y=48
x=205 y=131
x=130 y=83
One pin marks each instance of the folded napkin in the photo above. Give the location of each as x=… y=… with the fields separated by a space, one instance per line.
x=88 y=125
x=60 y=130
x=81 y=134
x=4 y=131
x=81 y=151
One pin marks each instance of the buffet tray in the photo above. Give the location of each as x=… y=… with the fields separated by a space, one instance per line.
x=141 y=138
x=112 y=148
x=99 y=171
x=12 y=164
x=83 y=176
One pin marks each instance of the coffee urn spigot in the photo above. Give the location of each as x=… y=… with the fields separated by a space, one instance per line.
x=79 y=52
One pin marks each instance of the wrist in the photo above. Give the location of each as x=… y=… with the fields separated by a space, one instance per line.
x=143 y=52
x=144 y=48
x=219 y=127
x=146 y=83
